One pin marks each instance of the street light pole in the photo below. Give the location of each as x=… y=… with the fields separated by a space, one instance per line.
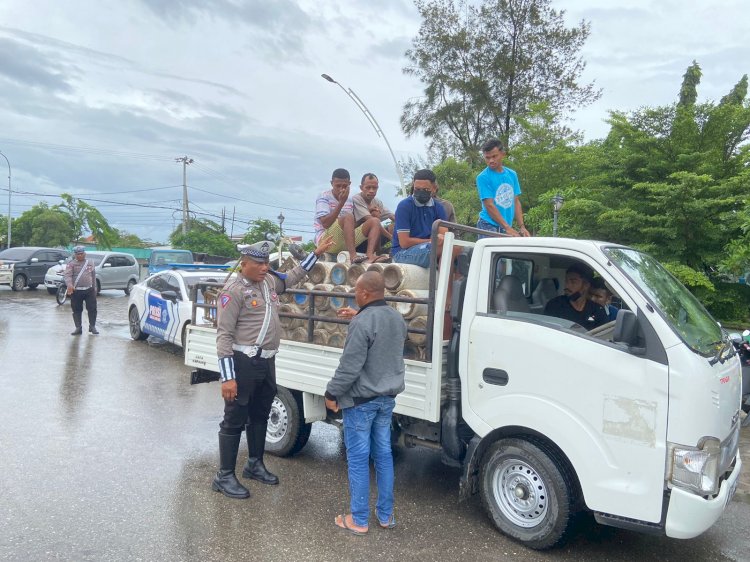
x=8 y=161
x=557 y=203
x=371 y=118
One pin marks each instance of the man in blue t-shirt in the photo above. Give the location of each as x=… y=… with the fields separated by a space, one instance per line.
x=499 y=189
x=414 y=218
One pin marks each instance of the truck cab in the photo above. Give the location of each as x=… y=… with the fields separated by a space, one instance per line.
x=638 y=416
x=160 y=259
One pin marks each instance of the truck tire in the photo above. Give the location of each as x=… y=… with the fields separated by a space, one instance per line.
x=287 y=431
x=527 y=492
x=19 y=282
x=135 y=325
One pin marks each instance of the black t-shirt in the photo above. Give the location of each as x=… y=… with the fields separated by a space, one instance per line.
x=590 y=317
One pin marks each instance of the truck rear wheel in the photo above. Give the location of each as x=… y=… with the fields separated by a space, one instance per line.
x=287 y=431
x=527 y=492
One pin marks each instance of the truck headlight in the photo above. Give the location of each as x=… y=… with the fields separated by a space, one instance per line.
x=6 y=266
x=697 y=469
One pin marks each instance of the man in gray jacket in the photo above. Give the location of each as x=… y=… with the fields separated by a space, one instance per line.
x=369 y=376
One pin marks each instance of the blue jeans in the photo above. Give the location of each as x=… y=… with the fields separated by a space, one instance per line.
x=418 y=254
x=485 y=225
x=367 y=432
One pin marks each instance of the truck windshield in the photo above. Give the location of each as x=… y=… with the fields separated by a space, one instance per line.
x=684 y=313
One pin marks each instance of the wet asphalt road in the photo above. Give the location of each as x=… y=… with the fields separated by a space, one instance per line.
x=107 y=453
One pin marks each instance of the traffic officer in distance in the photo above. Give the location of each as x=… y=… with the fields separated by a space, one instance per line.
x=80 y=278
x=248 y=335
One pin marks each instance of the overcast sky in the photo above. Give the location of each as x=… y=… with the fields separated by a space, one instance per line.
x=98 y=98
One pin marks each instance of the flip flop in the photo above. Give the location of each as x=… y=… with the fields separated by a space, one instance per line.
x=342 y=523
x=381 y=259
x=359 y=259
x=390 y=524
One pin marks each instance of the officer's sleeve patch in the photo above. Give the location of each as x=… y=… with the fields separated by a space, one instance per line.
x=225 y=300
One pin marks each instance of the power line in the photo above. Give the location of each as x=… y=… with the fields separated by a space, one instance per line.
x=85 y=149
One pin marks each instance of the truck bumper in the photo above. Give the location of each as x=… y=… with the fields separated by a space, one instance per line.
x=689 y=515
x=6 y=276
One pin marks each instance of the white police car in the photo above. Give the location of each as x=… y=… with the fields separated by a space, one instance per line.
x=160 y=305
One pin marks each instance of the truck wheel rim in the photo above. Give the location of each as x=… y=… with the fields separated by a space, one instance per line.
x=278 y=421
x=520 y=493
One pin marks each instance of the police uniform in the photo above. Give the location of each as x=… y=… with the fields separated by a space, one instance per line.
x=248 y=336
x=82 y=277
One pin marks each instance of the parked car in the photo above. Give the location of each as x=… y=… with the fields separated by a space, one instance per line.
x=25 y=266
x=161 y=259
x=114 y=270
x=160 y=305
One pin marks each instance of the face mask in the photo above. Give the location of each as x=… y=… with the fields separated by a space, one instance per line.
x=422 y=197
x=575 y=296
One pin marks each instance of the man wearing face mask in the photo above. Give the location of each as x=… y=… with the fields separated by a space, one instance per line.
x=414 y=218
x=575 y=305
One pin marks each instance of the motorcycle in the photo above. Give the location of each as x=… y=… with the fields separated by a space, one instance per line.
x=62 y=294
x=742 y=346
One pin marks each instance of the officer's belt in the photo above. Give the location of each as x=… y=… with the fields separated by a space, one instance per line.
x=82 y=288
x=252 y=351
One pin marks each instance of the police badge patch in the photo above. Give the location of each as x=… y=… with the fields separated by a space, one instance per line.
x=225 y=300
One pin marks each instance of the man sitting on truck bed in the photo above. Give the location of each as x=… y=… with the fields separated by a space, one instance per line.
x=575 y=304
x=414 y=218
x=334 y=217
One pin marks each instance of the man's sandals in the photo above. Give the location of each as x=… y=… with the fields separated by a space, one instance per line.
x=346 y=522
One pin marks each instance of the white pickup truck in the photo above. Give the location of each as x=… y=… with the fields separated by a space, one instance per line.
x=636 y=421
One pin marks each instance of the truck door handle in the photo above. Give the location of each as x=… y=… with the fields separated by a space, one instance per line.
x=495 y=376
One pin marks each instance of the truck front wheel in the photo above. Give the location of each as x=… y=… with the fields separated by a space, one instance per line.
x=287 y=431
x=527 y=492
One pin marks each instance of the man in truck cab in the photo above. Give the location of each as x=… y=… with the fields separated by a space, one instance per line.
x=247 y=339
x=575 y=304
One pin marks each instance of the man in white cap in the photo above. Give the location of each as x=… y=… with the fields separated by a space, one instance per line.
x=248 y=335
x=80 y=278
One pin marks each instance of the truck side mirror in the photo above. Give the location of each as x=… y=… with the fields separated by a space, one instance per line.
x=627 y=331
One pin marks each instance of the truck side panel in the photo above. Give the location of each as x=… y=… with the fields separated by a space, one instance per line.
x=308 y=368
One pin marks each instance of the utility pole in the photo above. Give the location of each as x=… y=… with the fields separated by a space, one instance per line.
x=231 y=231
x=185 y=211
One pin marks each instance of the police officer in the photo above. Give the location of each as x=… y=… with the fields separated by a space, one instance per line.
x=248 y=335
x=80 y=278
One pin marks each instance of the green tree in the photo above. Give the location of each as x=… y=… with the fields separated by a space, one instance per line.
x=128 y=240
x=203 y=236
x=84 y=217
x=484 y=66
x=258 y=230
x=50 y=228
x=42 y=225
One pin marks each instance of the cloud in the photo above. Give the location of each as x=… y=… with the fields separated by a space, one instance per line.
x=29 y=66
x=279 y=26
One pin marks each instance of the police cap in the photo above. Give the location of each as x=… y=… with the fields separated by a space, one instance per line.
x=258 y=251
x=79 y=250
